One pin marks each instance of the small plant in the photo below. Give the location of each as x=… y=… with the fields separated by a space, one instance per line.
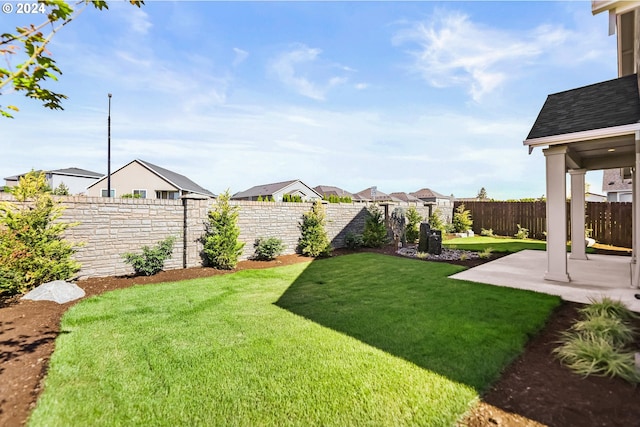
x=353 y=240
x=375 y=232
x=487 y=233
x=413 y=224
x=268 y=249
x=151 y=260
x=486 y=254
x=436 y=222
x=422 y=255
x=523 y=233
x=464 y=256
x=462 y=221
x=599 y=343
x=221 y=248
x=314 y=241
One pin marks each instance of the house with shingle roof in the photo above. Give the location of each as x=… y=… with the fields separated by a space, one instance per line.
x=329 y=190
x=594 y=127
x=75 y=179
x=147 y=181
x=372 y=194
x=617 y=186
x=278 y=190
x=406 y=199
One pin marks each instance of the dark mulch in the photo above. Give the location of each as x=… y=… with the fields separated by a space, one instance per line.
x=534 y=387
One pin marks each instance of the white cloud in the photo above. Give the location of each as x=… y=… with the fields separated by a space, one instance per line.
x=241 y=56
x=302 y=70
x=138 y=20
x=452 y=50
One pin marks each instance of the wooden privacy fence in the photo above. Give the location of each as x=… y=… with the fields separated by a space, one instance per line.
x=610 y=222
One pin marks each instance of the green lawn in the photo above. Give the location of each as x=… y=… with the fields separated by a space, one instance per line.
x=498 y=244
x=362 y=339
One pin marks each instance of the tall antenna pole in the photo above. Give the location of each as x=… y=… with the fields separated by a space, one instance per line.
x=109 y=149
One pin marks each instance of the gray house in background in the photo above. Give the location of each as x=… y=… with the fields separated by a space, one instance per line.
x=75 y=179
x=616 y=186
x=147 y=181
x=277 y=190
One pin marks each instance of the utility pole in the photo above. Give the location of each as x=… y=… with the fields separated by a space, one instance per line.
x=109 y=149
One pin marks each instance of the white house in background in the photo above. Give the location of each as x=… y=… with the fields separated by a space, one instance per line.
x=147 y=181
x=75 y=179
x=616 y=186
x=277 y=190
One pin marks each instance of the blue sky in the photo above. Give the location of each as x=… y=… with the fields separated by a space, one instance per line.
x=398 y=95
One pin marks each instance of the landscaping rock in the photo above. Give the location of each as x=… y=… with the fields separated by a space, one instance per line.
x=58 y=291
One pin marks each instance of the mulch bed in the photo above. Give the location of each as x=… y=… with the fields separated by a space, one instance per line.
x=534 y=389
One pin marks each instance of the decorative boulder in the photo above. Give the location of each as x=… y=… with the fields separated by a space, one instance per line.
x=58 y=291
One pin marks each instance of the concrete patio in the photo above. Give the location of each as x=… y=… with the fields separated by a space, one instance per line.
x=600 y=275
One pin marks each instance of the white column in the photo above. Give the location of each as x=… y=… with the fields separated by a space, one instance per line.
x=556 y=214
x=578 y=246
x=635 y=278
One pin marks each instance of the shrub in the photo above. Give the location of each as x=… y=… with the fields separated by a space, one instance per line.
x=32 y=250
x=314 y=240
x=413 y=224
x=221 y=246
x=522 y=233
x=485 y=232
x=436 y=222
x=151 y=260
x=268 y=249
x=375 y=232
x=353 y=240
x=462 y=221
x=486 y=253
x=599 y=343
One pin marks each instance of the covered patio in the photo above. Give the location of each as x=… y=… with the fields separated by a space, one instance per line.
x=599 y=276
x=589 y=128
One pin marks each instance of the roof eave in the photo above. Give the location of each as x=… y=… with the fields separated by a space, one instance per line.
x=588 y=135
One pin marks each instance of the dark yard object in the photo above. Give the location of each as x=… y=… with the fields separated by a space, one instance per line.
x=534 y=386
x=430 y=240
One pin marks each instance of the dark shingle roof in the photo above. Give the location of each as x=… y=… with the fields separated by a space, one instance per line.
x=427 y=193
x=263 y=189
x=328 y=190
x=366 y=195
x=598 y=106
x=67 y=171
x=180 y=181
x=404 y=197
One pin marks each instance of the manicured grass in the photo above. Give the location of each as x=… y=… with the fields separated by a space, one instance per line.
x=498 y=244
x=362 y=339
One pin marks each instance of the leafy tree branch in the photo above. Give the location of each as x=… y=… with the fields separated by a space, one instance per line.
x=39 y=67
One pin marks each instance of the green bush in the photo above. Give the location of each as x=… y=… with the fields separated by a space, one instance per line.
x=436 y=222
x=333 y=198
x=375 y=232
x=314 y=241
x=221 y=247
x=522 y=233
x=353 y=240
x=268 y=249
x=32 y=250
x=151 y=260
x=599 y=344
x=487 y=233
x=413 y=224
x=462 y=221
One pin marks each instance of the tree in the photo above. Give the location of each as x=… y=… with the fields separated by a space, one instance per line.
x=413 y=224
x=30 y=42
x=221 y=246
x=32 y=250
x=482 y=194
x=375 y=231
x=314 y=240
x=462 y=221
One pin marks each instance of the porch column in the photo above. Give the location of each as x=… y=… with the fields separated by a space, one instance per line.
x=556 y=214
x=635 y=276
x=577 y=214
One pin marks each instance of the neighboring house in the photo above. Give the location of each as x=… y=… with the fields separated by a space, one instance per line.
x=436 y=201
x=328 y=190
x=616 y=186
x=75 y=179
x=371 y=194
x=147 y=181
x=593 y=197
x=277 y=190
x=406 y=199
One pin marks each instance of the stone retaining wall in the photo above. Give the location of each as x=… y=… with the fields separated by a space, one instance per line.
x=110 y=227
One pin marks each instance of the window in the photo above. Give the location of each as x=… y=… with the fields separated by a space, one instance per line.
x=103 y=192
x=171 y=195
x=142 y=194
